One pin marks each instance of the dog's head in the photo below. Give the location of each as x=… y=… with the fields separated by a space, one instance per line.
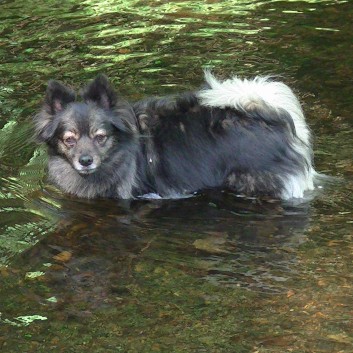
x=85 y=132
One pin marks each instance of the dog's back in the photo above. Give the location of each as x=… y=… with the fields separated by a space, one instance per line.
x=250 y=136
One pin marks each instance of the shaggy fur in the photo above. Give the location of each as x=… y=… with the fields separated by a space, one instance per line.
x=249 y=136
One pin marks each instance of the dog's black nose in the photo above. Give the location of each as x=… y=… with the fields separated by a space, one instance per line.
x=86 y=160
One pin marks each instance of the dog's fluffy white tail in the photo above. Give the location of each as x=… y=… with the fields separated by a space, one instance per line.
x=246 y=94
x=259 y=93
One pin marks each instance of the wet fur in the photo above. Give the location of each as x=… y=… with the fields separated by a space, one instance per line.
x=248 y=136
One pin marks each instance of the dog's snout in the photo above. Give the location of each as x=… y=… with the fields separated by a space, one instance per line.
x=86 y=160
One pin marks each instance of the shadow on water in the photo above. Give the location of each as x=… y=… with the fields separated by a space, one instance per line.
x=209 y=273
x=229 y=240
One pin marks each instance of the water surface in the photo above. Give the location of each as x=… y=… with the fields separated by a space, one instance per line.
x=211 y=273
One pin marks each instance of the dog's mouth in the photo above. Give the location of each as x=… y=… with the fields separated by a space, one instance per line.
x=87 y=171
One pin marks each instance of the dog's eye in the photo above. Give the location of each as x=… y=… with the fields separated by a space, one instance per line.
x=70 y=141
x=100 y=138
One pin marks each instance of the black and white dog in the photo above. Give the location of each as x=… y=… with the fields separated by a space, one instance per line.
x=249 y=136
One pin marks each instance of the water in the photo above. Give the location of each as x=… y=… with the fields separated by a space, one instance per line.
x=211 y=273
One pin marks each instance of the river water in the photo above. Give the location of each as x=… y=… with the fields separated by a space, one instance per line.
x=211 y=273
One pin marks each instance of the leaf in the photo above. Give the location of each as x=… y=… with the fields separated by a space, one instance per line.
x=290 y=293
x=26 y=320
x=33 y=275
x=340 y=338
x=52 y=300
x=64 y=256
x=212 y=245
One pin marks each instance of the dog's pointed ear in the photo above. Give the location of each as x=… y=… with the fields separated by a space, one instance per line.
x=57 y=97
x=101 y=92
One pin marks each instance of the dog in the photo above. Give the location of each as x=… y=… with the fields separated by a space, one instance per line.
x=244 y=135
